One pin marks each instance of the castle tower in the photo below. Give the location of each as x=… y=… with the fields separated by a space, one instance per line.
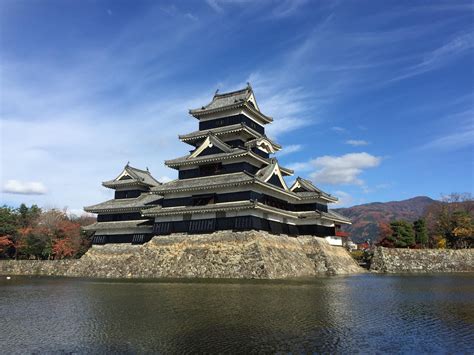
x=231 y=181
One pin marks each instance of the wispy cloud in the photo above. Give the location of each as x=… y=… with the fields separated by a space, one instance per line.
x=24 y=187
x=78 y=107
x=439 y=57
x=345 y=199
x=357 y=142
x=291 y=107
x=454 y=138
x=288 y=7
x=452 y=141
x=289 y=149
x=338 y=129
x=273 y=10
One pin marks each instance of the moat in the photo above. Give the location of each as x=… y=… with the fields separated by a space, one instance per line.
x=362 y=313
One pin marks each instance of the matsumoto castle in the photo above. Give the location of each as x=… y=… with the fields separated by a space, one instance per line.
x=228 y=181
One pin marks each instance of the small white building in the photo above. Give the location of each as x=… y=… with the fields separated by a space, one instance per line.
x=335 y=240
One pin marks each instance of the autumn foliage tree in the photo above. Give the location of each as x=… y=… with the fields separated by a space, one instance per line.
x=451 y=221
x=385 y=233
x=32 y=233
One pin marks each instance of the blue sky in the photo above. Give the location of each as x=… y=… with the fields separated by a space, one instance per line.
x=373 y=100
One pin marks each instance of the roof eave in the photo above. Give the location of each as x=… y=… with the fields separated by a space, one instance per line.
x=203 y=112
x=115 y=184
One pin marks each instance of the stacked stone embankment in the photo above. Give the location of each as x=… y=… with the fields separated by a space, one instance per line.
x=226 y=254
x=390 y=260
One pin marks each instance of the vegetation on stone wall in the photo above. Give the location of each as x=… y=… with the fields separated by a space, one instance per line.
x=35 y=233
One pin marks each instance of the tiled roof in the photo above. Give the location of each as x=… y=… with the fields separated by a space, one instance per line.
x=311 y=190
x=219 y=131
x=134 y=177
x=227 y=206
x=234 y=153
x=230 y=100
x=334 y=215
x=204 y=182
x=145 y=200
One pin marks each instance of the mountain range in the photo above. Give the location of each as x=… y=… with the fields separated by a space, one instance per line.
x=366 y=218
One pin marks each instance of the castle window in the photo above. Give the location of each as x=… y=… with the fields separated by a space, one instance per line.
x=210 y=169
x=203 y=200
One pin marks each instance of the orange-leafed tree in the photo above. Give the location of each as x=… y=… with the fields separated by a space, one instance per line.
x=6 y=245
x=63 y=248
x=67 y=240
x=385 y=233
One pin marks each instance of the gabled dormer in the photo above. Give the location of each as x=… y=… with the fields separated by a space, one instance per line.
x=273 y=175
x=132 y=178
x=210 y=145
x=251 y=98
x=303 y=185
x=263 y=144
x=305 y=188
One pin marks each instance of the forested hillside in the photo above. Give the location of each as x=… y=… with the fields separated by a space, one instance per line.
x=367 y=217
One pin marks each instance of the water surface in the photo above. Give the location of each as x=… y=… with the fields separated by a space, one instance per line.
x=365 y=314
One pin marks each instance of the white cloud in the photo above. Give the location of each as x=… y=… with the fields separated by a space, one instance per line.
x=218 y=5
x=24 y=188
x=287 y=8
x=164 y=179
x=344 y=169
x=345 y=199
x=356 y=142
x=452 y=141
x=338 y=129
x=292 y=148
x=440 y=56
x=78 y=212
x=454 y=138
x=282 y=125
x=302 y=166
x=273 y=10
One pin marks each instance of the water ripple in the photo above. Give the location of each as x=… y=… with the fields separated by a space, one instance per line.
x=360 y=314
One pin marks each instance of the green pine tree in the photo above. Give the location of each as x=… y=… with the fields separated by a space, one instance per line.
x=421 y=233
x=403 y=234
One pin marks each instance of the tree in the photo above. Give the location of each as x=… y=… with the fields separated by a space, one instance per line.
x=403 y=235
x=6 y=246
x=28 y=216
x=421 y=233
x=8 y=231
x=452 y=220
x=8 y=221
x=30 y=232
x=63 y=248
x=385 y=234
x=462 y=234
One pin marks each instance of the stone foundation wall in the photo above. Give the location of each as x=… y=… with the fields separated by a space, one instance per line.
x=422 y=260
x=223 y=254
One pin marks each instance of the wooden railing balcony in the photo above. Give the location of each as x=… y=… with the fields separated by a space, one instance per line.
x=341 y=234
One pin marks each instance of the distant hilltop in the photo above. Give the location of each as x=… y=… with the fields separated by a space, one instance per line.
x=366 y=218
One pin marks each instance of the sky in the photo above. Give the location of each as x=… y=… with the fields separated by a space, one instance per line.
x=371 y=100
